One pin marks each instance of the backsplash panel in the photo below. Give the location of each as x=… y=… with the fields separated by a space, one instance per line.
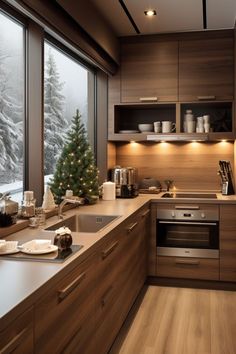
x=192 y=166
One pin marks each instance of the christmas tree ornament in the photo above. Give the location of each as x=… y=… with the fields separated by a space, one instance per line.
x=75 y=168
x=48 y=200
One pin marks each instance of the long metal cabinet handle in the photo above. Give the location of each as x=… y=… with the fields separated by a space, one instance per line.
x=188 y=223
x=109 y=250
x=131 y=227
x=148 y=99
x=206 y=98
x=14 y=342
x=187 y=262
x=187 y=207
x=145 y=213
x=68 y=289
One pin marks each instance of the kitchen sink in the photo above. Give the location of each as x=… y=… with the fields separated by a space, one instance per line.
x=85 y=222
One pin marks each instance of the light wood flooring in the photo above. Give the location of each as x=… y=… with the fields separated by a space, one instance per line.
x=166 y=320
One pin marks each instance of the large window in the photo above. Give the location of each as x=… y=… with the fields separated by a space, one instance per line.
x=66 y=84
x=12 y=110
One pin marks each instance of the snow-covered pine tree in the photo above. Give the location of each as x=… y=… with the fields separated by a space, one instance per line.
x=55 y=124
x=9 y=136
x=76 y=169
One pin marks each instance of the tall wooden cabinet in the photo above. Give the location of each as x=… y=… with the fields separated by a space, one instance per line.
x=228 y=242
x=149 y=71
x=206 y=69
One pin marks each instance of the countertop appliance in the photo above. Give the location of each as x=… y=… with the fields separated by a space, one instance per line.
x=125 y=179
x=187 y=231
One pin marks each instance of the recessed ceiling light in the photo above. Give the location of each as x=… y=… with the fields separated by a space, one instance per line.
x=150 y=13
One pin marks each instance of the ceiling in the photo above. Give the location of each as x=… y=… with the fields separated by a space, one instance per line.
x=172 y=15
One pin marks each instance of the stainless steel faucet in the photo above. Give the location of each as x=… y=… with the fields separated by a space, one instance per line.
x=73 y=200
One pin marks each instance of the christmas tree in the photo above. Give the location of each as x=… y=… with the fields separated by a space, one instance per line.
x=76 y=169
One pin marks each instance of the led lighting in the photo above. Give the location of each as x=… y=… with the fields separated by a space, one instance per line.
x=223 y=140
x=150 y=13
x=132 y=141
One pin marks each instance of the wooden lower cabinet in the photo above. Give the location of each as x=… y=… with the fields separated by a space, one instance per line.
x=64 y=318
x=190 y=268
x=228 y=243
x=117 y=293
x=18 y=337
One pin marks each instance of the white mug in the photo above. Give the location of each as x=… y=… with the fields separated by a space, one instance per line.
x=168 y=126
x=157 y=127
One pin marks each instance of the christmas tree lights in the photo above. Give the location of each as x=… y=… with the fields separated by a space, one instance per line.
x=75 y=168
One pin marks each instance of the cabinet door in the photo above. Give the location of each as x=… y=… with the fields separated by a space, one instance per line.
x=18 y=337
x=64 y=318
x=228 y=243
x=116 y=294
x=149 y=71
x=206 y=69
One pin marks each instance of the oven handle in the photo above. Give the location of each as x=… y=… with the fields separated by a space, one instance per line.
x=188 y=223
x=187 y=207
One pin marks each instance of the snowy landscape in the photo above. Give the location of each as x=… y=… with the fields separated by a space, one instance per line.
x=65 y=90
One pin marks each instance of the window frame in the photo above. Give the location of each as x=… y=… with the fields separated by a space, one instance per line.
x=35 y=34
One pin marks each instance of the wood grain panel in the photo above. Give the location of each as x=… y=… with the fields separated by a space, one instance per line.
x=192 y=166
x=192 y=268
x=206 y=69
x=149 y=69
x=228 y=242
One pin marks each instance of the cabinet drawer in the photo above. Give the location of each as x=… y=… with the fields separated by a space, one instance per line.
x=65 y=308
x=192 y=268
x=18 y=336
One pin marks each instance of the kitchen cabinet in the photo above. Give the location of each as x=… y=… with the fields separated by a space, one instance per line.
x=122 y=273
x=200 y=77
x=18 y=337
x=206 y=68
x=227 y=243
x=64 y=317
x=149 y=71
x=189 y=268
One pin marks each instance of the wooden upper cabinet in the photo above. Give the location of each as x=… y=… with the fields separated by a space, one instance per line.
x=149 y=71
x=206 y=69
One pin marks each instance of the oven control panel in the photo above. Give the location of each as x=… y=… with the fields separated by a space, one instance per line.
x=178 y=214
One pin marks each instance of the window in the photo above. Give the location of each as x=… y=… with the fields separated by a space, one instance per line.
x=12 y=109
x=66 y=84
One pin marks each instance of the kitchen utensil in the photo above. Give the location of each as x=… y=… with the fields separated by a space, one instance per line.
x=148 y=182
x=226 y=177
x=125 y=176
x=157 y=127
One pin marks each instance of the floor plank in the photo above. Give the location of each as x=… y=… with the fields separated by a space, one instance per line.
x=168 y=320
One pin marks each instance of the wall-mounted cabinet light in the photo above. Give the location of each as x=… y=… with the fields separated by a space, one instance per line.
x=150 y=13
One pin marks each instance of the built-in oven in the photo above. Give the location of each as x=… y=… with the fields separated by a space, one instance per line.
x=188 y=231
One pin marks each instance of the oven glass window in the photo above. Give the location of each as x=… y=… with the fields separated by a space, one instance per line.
x=189 y=235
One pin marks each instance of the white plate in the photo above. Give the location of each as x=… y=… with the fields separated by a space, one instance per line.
x=51 y=248
x=16 y=250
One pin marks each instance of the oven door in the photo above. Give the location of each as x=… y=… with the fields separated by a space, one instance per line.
x=188 y=238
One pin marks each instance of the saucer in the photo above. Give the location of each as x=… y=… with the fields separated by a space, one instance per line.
x=51 y=248
x=12 y=251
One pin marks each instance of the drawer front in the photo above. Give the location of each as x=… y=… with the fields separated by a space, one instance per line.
x=191 y=268
x=17 y=338
x=65 y=308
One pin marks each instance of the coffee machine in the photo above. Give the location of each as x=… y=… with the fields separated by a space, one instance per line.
x=125 y=179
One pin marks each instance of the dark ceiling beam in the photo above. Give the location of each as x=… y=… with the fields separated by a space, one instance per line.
x=129 y=16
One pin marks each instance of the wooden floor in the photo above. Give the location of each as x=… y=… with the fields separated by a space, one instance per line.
x=180 y=321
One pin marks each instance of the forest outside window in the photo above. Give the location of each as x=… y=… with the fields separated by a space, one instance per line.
x=66 y=86
x=12 y=106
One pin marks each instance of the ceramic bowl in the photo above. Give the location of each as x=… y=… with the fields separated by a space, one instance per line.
x=145 y=127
